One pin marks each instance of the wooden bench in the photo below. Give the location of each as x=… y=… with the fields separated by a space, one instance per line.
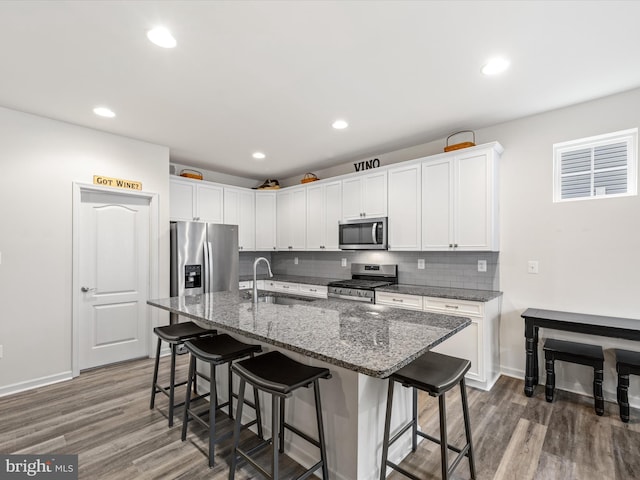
x=627 y=363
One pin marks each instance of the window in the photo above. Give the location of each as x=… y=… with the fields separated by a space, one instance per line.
x=596 y=167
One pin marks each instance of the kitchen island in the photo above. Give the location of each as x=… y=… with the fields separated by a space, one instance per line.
x=361 y=344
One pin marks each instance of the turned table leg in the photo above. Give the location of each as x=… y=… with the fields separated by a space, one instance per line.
x=531 y=347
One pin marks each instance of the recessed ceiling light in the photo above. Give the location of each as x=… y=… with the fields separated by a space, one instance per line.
x=259 y=155
x=495 y=66
x=340 y=124
x=161 y=37
x=104 y=112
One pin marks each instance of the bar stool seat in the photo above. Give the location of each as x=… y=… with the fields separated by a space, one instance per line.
x=175 y=335
x=217 y=350
x=574 y=352
x=627 y=363
x=279 y=375
x=435 y=374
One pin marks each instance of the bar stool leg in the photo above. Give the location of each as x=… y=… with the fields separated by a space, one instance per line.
x=256 y=402
x=623 y=396
x=236 y=431
x=155 y=375
x=550 y=384
x=213 y=404
x=414 y=427
x=172 y=384
x=467 y=428
x=281 y=428
x=598 y=374
x=444 y=449
x=187 y=400
x=275 y=434
x=387 y=427
x=230 y=387
x=323 y=450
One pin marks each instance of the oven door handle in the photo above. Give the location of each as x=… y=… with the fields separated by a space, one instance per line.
x=373 y=233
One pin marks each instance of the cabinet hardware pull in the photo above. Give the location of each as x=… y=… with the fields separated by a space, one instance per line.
x=313 y=290
x=452 y=306
x=451 y=245
x=397 y=300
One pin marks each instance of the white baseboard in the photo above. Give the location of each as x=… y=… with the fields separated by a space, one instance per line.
x=35 y=383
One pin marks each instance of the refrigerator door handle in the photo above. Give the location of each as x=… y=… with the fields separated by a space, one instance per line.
x=209 y=266
x=205 y=280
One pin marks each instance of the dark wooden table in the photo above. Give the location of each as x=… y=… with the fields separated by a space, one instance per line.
x=534 y=318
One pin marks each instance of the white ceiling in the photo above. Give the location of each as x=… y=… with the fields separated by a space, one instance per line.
x=273 y=75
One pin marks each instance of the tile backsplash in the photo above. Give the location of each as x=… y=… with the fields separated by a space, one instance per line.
x=442 y=269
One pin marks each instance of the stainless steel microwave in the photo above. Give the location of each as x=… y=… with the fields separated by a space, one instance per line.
x=363 y=234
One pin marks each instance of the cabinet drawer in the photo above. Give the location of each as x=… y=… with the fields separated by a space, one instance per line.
x=246 y=285
x=285 y=286
x=313 y=290
x=412 y=302
x=454 y=307
x=268 y=285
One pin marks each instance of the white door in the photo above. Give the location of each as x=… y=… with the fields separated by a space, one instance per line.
x=113 y=277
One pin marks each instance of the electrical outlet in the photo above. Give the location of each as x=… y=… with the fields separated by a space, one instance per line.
x=421 y=264
x=1 y=351
x=295 y=260
x=343 y=262
x=482 y=265
x=532 y=266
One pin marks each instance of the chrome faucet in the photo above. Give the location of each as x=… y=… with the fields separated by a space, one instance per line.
x=255 y=280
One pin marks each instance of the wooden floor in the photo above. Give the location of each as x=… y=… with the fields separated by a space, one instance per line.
x=104 y=416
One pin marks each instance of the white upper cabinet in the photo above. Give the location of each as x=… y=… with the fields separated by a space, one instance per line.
x=405 y=186
x=196 y=201
x=324 y=211
x=291 y=215
x=365 y=196
x=239 y=209
x=460 y=201
x=265 y=220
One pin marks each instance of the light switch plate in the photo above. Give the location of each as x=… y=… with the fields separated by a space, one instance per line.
x=295 y=260
x=421 y=264
x=1 y=351
x=482 y=265
x=343 y=262
x=532 y=266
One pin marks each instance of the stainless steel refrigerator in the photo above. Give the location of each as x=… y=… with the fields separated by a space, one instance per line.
x=204 y=258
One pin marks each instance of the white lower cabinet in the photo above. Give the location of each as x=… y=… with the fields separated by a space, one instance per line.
x=302 y=289
x=479 y=342
x=410 y=302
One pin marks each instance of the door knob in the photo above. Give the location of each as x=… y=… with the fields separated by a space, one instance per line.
x=87 y=289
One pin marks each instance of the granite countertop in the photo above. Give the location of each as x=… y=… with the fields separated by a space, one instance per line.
x=443 y=292
x=292 y=279
x=369 y=339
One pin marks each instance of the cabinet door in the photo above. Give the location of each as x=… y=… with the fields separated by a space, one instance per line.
x=247 y=225
x=181 y=200
x=472 y=202
x=404 y=208
x=332 y=215
x=315 y=216
x=437 y=205
x=265 y=220
x=209 y=203
x=465 y=344
x=239 y=209
x=297 y=219
x=284 y=235
x=352 y=198
x=374 y=195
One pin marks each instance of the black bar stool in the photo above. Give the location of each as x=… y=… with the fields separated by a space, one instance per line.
x=175 y=335
x=280 y=376
x=627 y=363
x=215 y=351
x=580 y=353
x=435 y=374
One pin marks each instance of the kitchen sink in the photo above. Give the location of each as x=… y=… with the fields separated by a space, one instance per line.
x=281 y=299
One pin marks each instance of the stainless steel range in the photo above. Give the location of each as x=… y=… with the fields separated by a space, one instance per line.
x=365 y=278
